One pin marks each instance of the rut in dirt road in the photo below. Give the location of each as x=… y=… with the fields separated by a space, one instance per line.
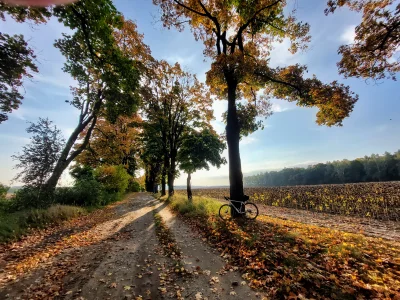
x=125 y=260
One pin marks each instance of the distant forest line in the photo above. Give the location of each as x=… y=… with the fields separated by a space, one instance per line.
x=372 y=168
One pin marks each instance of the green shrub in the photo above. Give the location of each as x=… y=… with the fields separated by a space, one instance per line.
x=3 y=191
x=88 y=193
x=66 y=196
x=27 y=197
x=80 y=172
x=113 y=178
x=134 y=186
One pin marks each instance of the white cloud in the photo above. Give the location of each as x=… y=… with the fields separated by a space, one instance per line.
x=218 y=126
x=182 y=60
x=59 y=80
x=67 y=131
x=348 y=35
x=248 y=140
x=18 y=114
x=219 y=107
x=396 y=56
x=280 y=55
x=279 y=106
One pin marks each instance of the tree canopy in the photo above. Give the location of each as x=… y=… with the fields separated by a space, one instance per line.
x=136 y=111
x=238 y=36
x=199 y=150
x=17 y=59
x=173 y=102
x=38 y=158
x=377 y=39
x=107 y=77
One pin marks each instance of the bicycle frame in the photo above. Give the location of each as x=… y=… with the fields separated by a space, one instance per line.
x=241 y=211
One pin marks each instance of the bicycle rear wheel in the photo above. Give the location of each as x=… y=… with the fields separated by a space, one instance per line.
x=225 y=212
x=251 y=210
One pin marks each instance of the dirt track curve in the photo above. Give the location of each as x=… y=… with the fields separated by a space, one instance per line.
x=121 y=258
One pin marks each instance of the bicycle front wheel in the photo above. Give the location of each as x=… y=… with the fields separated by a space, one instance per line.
x=225 y=212
x=251 y=210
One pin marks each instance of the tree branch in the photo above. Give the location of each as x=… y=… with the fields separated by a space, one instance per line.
x=190 y=9
x=298 y=89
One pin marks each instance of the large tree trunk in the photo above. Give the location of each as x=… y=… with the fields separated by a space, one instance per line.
x=171 y=174
x=189 y=187
x=233 y=137
x=148 y=183
x=163 y=183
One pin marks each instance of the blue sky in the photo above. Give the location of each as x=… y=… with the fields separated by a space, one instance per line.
x=290 y=138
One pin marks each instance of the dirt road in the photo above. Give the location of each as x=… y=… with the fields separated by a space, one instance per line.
x=121 y=258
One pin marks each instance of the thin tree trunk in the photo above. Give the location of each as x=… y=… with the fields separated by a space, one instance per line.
x=163 y=184
x=66 y=158
x=164 y=175
x=233 y=137
x=171 y=180
x=189 y=187
x=148 y=184
x=171 y=174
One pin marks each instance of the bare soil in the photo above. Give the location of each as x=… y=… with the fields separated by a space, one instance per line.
x=389 y=230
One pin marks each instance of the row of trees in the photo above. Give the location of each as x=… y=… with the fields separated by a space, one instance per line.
x=238 y=37
x=177 y=131
x=372 y=168
x=137 y=112
x=118 y=79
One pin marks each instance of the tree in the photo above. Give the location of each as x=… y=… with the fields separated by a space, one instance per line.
x=355 y=172
x=112 y=144
x=238 y=37
x=3 y=192
x=39 y=157
x=16 y=57
x=173 y=101
x=367 y=169
x=199 y=149
x=377 y=39
x=107 y=78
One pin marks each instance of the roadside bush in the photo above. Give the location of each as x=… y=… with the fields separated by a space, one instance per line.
x=3 y=191
x=134 y=186
x=65 y=195
x=27 y=197
x=114 y=179
x=88 y=193
x=4 y=202
x=53 y=215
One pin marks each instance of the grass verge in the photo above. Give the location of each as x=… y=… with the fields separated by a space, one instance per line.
x=14 y=225
x=293 y=260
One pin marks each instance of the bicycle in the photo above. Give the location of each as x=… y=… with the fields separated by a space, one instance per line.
x=249 y=209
